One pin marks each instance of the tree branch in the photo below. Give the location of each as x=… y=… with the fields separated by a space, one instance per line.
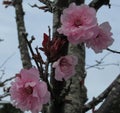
x=113 y=51
x=99 y=3
x=4 y=95
x=112 y=102
x=32 y=52
x=103 y=95
x=100 y=63
x=26 y=61
x=48 y=3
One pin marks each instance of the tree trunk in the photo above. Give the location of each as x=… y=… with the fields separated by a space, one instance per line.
x=76 y=97
x=78 y=93
x=25 y=58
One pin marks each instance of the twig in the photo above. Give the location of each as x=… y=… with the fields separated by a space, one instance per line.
x=3 y=72
x=40 y=68
x=101 y=66
x=113 y=51
x=98 y=63
x=102 y=96
x=48 y=3
x=8 y=79
x=40 y=62
x=7 y=3
x=4 y=95
x=45 y=8
x=46 y=78
x=31 y=50
x=46 y=69
x=94 y=66
x=49 y=31
x=3 y=83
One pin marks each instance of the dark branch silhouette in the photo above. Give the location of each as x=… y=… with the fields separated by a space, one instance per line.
x=113 y=51
x=102 y=96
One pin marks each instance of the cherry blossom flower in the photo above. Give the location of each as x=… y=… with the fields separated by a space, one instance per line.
x=27 y=92
x=103 y=39
x=79 y=23
x=65 y=67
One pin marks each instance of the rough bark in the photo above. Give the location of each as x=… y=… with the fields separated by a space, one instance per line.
x=25 y=58
x=78 y=92
x=76 y=95
x=105 y=95
x=112 y=102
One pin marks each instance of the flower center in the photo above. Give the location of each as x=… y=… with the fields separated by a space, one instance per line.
x=64 y=65
x=77 y=23
x=29 y=90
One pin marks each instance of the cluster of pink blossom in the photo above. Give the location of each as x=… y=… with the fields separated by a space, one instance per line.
x=28 y=92
x=79 y=24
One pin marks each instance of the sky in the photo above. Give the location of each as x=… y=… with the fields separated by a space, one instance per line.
x=37 y=22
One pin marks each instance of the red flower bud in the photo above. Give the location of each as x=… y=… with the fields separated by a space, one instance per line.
x=52 y=48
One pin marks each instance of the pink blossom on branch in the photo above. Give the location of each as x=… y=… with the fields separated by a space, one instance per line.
x=103 y=39
x=65 y=67
x=27 y=92
x=79 y=23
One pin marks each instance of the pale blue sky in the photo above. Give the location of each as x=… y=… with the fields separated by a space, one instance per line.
x=36 y=24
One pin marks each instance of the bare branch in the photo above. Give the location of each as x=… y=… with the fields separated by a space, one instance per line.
x=2 y=73
x=100 y=63
x=7 y=3
x=49 y=31
x=99 y=3
x=111 y=103
x=113 y=51
x=45 y=8
x=40 y=60
x=102 y=96
x=100 y=66
x=47 y=3
x=7 y=80
x=46 y=79
x=32 y=52
x=4 y=95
